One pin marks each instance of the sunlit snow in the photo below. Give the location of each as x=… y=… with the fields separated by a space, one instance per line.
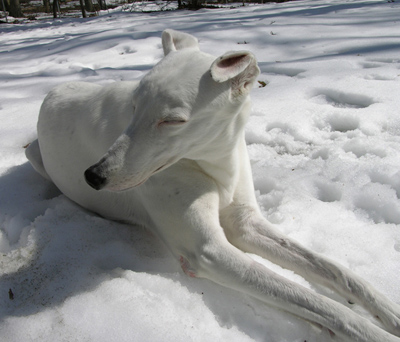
x=324 y=143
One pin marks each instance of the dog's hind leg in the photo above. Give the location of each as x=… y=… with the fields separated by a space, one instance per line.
x=32 y=152
x=248 y=230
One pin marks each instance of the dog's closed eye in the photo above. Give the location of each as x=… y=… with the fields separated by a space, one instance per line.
x=174 y=121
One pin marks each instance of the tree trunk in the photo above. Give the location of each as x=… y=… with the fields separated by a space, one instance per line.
x=15 y=9
x=4 y=10
x=102 y=4
x=89 y=5
x=46 y=4
x=196 y=4
x=82 y=9
x=56 y=7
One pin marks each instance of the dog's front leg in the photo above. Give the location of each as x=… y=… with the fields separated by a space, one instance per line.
x=248 y=230
x=186 y=217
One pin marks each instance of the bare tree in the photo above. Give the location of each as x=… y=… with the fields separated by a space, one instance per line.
x=82 y=8
x=3 y=8
x=14 y=8
x=102 y=4
x=46 y=4
x=56 y=8
x=89 y=6
x=195 y=3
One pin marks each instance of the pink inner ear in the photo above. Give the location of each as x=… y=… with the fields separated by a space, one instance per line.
x=233 y=61
x=229 y=66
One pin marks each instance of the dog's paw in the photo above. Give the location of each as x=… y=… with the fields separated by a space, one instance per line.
x=390 y=318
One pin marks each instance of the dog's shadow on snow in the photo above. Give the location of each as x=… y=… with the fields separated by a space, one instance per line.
x=51 y=249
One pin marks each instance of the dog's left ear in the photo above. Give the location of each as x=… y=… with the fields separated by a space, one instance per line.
x=240 y=67
x=174 y=40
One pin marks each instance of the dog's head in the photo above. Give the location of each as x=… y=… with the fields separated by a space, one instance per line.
x=190 y=105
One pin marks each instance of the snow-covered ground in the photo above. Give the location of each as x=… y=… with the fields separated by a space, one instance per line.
x=324 y=142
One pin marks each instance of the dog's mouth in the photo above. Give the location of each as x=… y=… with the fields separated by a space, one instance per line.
x=122 y=188
x=159 y=169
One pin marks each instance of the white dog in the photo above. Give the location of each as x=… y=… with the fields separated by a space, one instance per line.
x=169 y=153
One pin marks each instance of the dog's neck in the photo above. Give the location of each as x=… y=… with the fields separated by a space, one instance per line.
x=222 y=162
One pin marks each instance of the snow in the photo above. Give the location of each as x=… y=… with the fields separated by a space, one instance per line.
x=324 y=144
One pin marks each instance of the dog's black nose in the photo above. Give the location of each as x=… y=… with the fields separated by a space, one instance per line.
x=94 y=180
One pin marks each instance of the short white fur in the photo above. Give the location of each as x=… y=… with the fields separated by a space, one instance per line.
x=169 y=153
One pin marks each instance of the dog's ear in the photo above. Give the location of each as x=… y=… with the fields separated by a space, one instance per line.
x=240 y=67
x=173 y=40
